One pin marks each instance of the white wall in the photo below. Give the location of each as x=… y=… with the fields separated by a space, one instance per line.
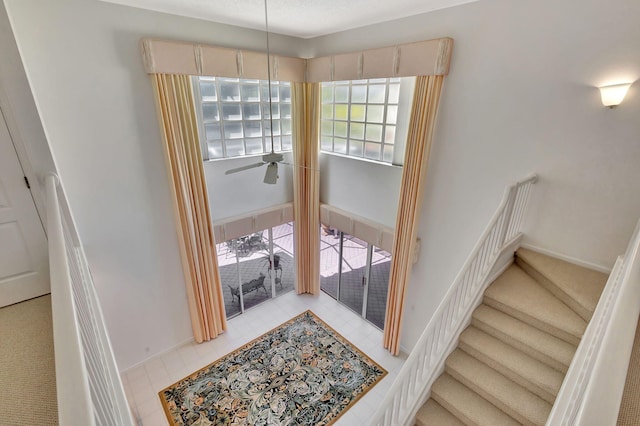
x=361 y=187
x=19 y=111
x=243 y=192
x=521 y=98
x=96 y=104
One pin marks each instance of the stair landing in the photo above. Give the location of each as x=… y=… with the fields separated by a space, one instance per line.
x=576 y=286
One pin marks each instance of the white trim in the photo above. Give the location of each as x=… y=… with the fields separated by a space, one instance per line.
x=593 y=386
x=426 y=360
x=89 y=387
x=72 y=377
x=575 y=261
x=351 y=157
x=503 y=261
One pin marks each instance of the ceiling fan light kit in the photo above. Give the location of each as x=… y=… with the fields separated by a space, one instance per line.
x=271 y=176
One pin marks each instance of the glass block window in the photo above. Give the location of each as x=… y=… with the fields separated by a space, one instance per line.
x=359 y=118
x=234 y=116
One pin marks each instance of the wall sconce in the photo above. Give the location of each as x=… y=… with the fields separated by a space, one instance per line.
x=614 y=94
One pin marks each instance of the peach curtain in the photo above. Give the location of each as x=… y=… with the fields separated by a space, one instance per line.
x=421 y=125
x=305 y=99
x=177 y=115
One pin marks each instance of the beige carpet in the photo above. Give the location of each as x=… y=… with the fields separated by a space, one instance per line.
x=27 y=368
x=511 y=360
x=630 y=405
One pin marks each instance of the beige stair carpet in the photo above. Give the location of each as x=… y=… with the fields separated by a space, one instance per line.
x=520 y=296
x=467 y=405
x=578 y=287
x=536 y=343
x=27 y=368
x=511 y=360
x=511 y=398
x=433 y=413
x=537 y=377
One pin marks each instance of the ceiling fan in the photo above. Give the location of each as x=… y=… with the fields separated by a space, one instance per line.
x=271 y=159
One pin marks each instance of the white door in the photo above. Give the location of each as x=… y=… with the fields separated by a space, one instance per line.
x=24 y=263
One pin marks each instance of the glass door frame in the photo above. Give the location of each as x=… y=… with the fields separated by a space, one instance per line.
x=272 y=271
x=366 y=277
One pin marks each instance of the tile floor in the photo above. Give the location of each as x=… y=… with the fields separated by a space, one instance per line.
x=143 y=383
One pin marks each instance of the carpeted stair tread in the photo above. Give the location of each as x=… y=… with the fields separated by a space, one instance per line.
x=519 y=295
x=542 y=346
x=467 y=405
x=505 y=394
x=528 y=372
x=578 y=287
x=433 y=414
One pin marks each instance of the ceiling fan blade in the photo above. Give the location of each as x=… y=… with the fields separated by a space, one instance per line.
x=240 y=169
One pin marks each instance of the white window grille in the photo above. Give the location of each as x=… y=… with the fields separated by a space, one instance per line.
x=233 y=116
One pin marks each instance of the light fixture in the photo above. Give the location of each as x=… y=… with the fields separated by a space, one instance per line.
x=614 y=94
x=271 y=176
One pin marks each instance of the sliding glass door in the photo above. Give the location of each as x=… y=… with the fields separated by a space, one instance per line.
x=330 y=255
x=256 y=267
x=378 y=286
x=355 y=273
x=353 y=278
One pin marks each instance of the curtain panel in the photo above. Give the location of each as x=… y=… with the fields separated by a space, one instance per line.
x=419 y=139
x=177 y=116
x=164 y=59
x=305 y=100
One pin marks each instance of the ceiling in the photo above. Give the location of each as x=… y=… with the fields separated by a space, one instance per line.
x=297 y=18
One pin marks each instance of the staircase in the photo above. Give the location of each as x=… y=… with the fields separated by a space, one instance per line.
x=512 y=359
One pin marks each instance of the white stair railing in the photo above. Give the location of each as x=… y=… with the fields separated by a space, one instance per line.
x=89 y=388
x=593 y=386
x=411 y=387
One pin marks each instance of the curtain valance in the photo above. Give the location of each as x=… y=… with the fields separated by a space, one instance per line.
x=431 y=57
x=260 y=220
x=175 y=57
x=358 y=226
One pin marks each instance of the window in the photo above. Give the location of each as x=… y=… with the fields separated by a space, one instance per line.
x=234 y=116
x=363 y=118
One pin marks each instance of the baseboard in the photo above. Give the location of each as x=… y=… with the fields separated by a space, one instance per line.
x=583 y=263
x=159 y=354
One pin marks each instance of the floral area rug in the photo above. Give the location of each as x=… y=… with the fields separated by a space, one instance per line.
x=300 y=373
